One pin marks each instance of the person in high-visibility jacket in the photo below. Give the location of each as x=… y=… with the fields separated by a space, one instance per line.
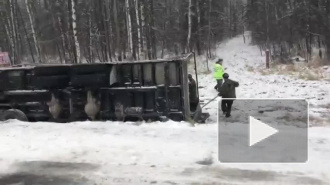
x=218 y=73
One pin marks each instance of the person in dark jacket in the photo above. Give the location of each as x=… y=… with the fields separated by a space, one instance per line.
x=192 y=92
x=228 y=93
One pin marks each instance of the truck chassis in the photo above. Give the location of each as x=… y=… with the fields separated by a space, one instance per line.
x=125 y=91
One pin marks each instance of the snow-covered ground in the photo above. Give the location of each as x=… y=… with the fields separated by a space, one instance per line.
x=239 y=58
x=115 y=153
x=163 y=153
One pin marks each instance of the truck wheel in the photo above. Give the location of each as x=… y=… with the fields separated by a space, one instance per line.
x=13 y=114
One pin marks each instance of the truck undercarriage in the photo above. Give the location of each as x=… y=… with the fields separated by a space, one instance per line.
x=127 y=91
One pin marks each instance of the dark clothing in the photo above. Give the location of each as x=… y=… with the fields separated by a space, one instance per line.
x=219 y=83
x=228 y=93
x=193 y=91
x=226 y=107
x=228 y=89
x=193 y=98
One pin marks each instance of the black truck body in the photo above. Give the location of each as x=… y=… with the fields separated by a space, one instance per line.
x=140 y=90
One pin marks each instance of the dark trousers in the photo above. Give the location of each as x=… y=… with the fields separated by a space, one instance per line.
x=217 y=87
x=226 y=106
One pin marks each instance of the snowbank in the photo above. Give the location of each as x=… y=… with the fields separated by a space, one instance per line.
x=106 y=152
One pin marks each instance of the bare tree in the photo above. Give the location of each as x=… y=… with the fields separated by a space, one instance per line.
x=129 y=28
x=104 y=30
x=189 y=25
x=34 y=35
x=118 y=35
x=74 y=30
x=13 y=30
x=140 y=43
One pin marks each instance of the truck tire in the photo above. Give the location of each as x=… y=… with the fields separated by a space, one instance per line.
x=13 y=114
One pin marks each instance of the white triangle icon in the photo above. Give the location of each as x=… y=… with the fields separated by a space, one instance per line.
x=259 y=131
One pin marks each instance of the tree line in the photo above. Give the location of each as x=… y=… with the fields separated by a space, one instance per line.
x=75 y=31
x=290 y=27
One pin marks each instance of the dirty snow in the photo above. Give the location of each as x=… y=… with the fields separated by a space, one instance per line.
x=163 y=153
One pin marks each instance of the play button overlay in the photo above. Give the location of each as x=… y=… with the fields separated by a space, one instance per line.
x=259 y=131
x=264 y=131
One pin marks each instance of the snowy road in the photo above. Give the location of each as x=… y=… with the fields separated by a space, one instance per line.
x=163 y=153
x=112 y=153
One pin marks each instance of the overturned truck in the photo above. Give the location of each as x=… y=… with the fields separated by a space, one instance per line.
x=126 y=91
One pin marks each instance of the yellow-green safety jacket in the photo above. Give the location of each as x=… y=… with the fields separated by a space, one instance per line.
x=218 y=72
